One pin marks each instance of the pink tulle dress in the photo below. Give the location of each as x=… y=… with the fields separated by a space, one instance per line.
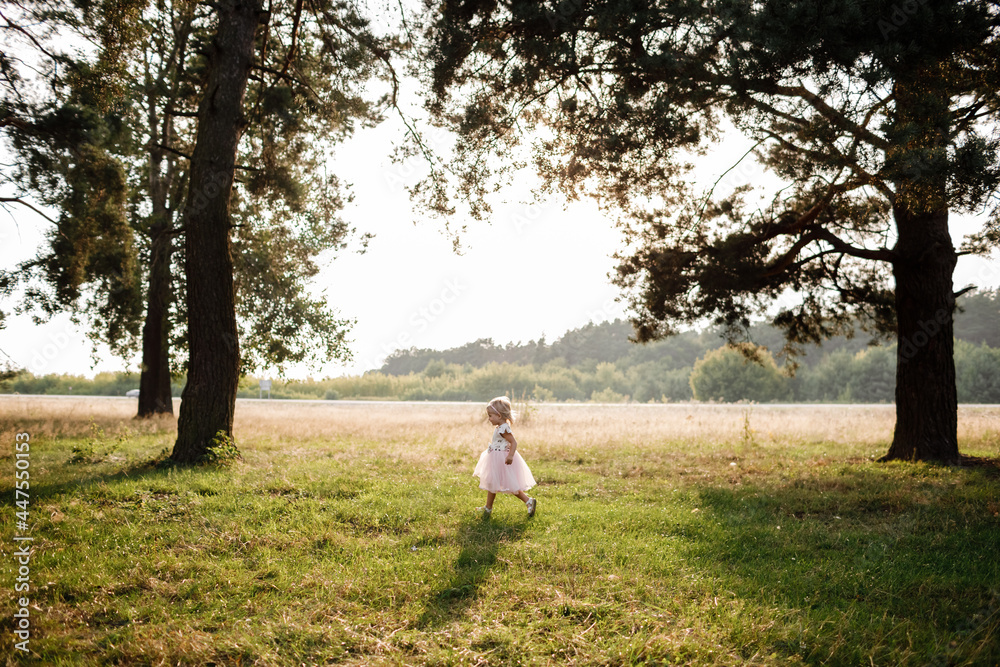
x=493 y=472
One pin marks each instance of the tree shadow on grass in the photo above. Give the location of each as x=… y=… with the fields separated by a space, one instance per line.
x=86 y=475
x=905 y=568
x=480 y=540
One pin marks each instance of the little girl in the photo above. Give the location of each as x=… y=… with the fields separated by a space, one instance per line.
x=501 y=469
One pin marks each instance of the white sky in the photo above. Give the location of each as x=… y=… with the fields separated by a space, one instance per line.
x=538 y=269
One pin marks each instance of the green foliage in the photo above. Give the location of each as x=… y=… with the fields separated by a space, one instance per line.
x=728 y=375
x=542 y=394
x=873 y=377
x=593 y=343
x=280 y=322
x=86 y=451
x=860 y=118
x=827 y=380
x=90 y=264
x=978 y=317
x=62 y=121
x=222 y=451
x=102 y=384
x=608 y=395
x=109 y=152
x=977 y=370
x=98 y=447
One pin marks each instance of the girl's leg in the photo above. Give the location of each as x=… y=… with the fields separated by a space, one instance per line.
x=523 y=496
x=489 y=500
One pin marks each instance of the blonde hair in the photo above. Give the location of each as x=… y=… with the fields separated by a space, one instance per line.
x=501 y=406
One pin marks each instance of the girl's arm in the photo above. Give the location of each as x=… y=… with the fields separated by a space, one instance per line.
x=509 y=437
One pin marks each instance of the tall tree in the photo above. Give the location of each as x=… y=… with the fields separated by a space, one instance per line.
x=288 y=209
x=287 y=205
x=51 y=104
x=168 y=99
x=209 y=399
x=876 y=115
x=317 y=54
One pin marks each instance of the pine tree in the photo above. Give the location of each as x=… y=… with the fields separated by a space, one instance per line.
x=52 y=106
x=305 y=92
x=875 y=115
x=277 y=77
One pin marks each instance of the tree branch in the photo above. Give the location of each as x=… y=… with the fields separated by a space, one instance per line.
x=967 y=288
x=18 y=200
x=828 y=112
x=788 y=258
x=290 y=54
x=379 y=52
x=880 y=255
x=57 y=58
x=711 y=190
x=173 y=150
x=13 y=120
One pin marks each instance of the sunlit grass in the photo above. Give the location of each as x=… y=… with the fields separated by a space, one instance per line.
x=683 y=534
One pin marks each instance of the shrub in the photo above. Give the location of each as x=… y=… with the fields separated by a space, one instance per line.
x=725 y=374
x=608 y=395
x=977 y=371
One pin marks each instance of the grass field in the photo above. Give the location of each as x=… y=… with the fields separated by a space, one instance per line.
x=670 y=534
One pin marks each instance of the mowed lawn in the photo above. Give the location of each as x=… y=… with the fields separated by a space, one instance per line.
x=347 y=534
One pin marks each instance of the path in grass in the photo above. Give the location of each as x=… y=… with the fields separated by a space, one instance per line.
x=694 y=535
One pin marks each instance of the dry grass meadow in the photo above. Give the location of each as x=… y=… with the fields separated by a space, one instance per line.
x=678 y=534
x=856 y=430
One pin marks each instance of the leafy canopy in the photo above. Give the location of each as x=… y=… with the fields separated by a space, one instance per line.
x=867 y=111
x=109 y=150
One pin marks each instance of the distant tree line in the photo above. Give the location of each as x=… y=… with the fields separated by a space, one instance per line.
x=977 y=321
x=598 y=363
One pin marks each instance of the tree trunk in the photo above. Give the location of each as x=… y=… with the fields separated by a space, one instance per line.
x=154 y=381
x=926 y=398
x=209 y=398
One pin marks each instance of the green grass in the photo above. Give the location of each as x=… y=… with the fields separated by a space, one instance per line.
x=369 y=552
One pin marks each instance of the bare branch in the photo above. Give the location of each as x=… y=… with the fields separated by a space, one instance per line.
x=57 y=58
x=173 y=150
x=967 y=288
x=789 y=256
x=834 y=116
x=17 y=200
x=880 y=255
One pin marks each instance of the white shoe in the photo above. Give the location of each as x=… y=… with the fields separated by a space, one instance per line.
x=486 y=511
x=531 y=506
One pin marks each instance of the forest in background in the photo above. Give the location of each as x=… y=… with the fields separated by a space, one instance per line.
x=599 y=363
